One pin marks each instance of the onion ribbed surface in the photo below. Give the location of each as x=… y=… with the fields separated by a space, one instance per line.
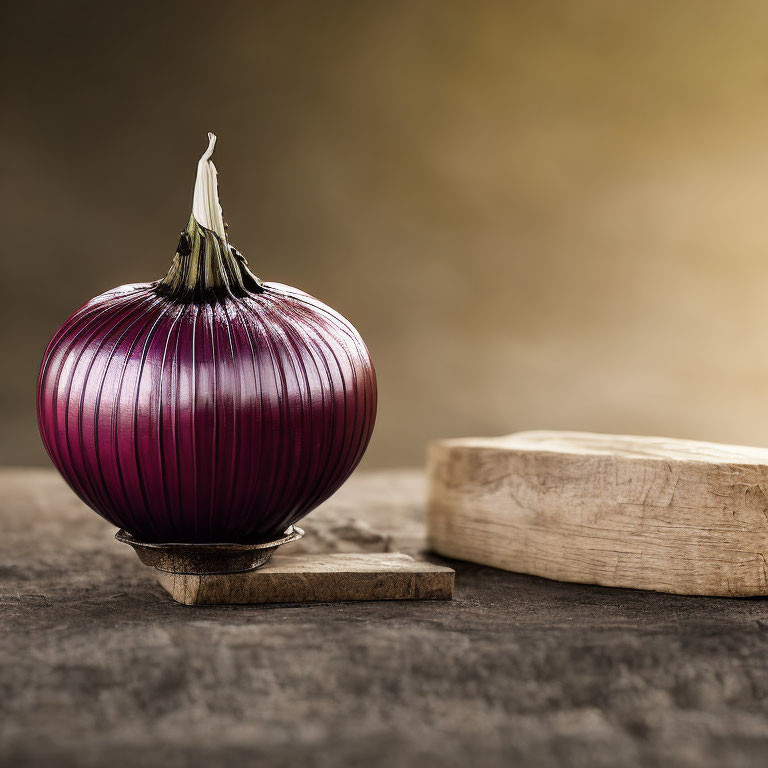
x=201 y=422
x=208 y=406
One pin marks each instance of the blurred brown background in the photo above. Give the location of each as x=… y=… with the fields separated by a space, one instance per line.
x=538 y=214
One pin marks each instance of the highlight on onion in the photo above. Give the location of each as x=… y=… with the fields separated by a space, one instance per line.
x=207 y=406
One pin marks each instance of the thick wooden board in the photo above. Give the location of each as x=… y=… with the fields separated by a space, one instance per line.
x=316 y=578
x=644 y=512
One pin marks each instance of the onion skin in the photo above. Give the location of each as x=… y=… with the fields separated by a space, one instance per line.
x=215 y=421
x=207 y=406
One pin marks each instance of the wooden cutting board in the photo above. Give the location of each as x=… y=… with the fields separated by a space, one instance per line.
x=644 y=512
x=316 y=578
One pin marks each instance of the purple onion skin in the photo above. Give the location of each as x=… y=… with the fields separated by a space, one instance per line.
x=223 y=420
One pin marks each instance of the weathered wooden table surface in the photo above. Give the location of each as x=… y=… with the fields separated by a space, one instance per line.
x=99 y=667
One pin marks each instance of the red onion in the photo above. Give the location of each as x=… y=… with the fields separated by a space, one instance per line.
x=207 y=406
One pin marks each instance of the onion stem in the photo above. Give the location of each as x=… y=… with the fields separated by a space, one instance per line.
x=205 y=263
x=206 y=207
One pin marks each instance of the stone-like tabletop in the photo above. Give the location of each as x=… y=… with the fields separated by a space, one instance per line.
x=99 y=667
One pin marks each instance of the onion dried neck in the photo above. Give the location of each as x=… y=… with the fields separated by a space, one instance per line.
x=205 y=263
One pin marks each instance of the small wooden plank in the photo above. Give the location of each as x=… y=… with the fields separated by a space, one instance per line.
x=650 y=513
x=316 y=578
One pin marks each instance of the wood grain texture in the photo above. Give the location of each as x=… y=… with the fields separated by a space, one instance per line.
x=649 y=513
x=316 y=579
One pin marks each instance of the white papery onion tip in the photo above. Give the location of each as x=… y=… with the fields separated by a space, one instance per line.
x=206 y=207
